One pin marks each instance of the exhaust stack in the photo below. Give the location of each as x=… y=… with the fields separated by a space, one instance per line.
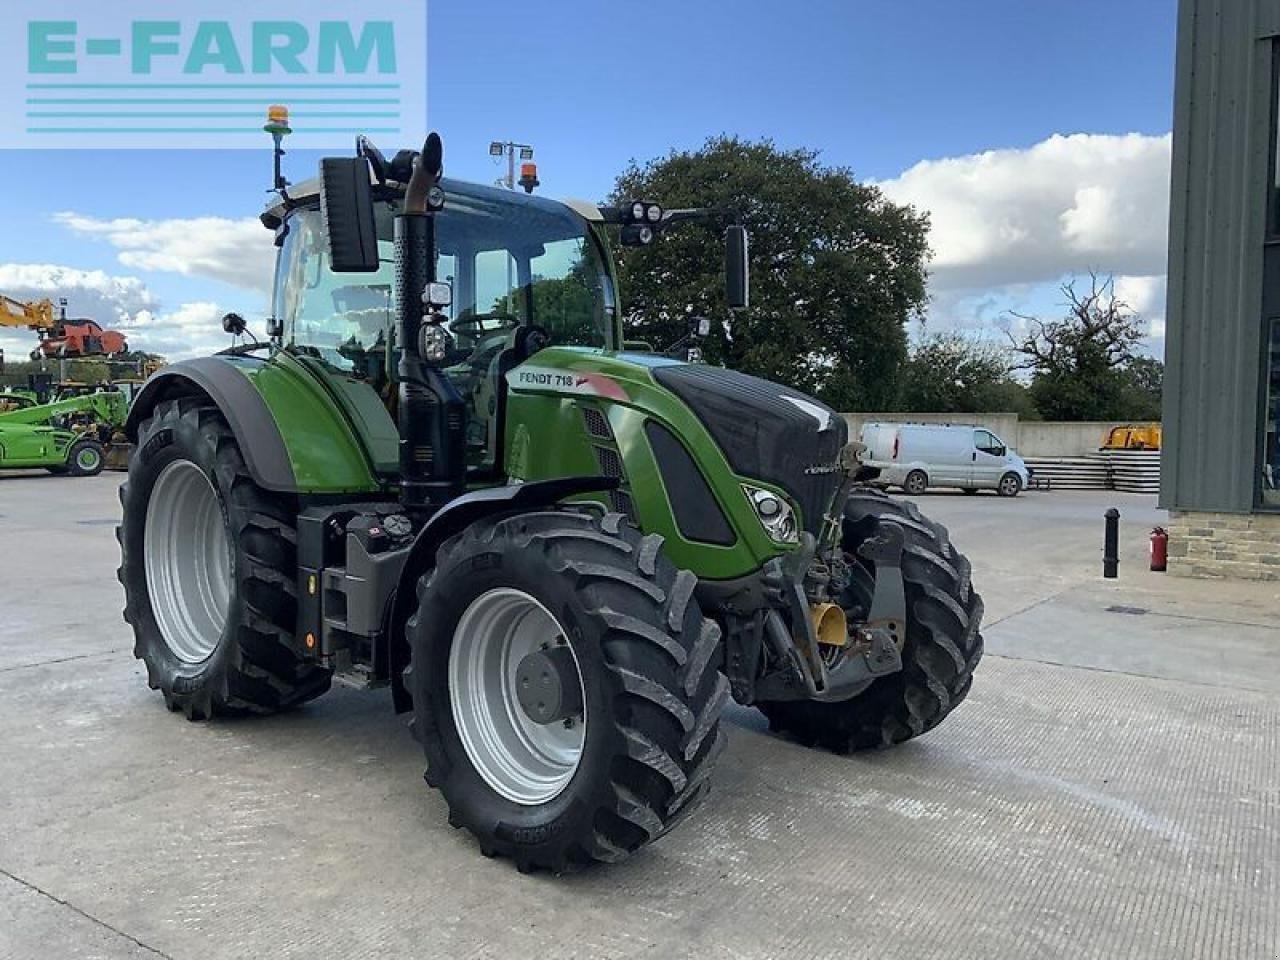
x=431 y=415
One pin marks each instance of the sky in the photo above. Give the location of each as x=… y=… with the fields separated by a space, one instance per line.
x=1035 y=132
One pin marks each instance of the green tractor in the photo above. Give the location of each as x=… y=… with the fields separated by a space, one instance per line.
x=66 y=437
x=444 y=474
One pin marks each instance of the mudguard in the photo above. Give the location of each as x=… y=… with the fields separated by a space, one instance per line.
x=293 y=431
x=453 y=518
x=246 y=412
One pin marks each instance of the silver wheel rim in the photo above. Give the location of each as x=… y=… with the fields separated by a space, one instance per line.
x=87 y=459
x=1010 y=485
x=188 y=561
x=526 y=762
x=915 y=483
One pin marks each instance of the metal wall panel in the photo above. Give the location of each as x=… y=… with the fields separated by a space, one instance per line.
x=1222 y=145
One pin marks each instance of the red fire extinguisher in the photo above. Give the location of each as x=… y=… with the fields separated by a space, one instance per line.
x=1159 y=549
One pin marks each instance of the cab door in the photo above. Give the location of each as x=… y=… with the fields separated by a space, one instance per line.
x=988 y=459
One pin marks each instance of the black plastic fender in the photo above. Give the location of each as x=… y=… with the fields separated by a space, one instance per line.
x=246 y=413
x=453 y=518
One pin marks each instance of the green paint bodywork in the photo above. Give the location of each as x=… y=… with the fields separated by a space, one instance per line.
x=26 y=445
x=334 y=449
x=329 y=453
x=546 y=438
x=107 y=406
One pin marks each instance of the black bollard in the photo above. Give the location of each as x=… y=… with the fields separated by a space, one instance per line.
x=1111 y=544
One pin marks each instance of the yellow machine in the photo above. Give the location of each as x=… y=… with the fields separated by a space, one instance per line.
x=1143 y=436
x=38 y=315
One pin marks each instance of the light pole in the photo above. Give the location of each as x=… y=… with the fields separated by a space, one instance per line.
x=508 y=148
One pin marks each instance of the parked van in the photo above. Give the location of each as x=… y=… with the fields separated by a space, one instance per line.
x=916 y=456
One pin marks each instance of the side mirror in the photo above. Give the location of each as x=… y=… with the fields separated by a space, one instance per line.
x=346 y=202
x=737 y=268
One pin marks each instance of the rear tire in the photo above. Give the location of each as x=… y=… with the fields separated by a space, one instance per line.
x=942 y=646
x=651 y=691
x=218 y=639
x=916 y=483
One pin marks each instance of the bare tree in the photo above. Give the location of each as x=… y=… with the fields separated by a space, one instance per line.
x=1099 y=331
x=1080 y=363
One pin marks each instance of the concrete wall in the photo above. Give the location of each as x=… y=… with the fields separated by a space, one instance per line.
x=1030 y=438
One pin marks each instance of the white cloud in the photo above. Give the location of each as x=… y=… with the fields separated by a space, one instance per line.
x=238 y=252
x=1007 y=226
x=121 y=303
x=1067 y=204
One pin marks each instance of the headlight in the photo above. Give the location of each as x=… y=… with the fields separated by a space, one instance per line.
x=774 y=514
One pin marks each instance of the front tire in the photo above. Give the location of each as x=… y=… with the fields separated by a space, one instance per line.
x=635 y=757
x=208 y=563
x=1010 y=485
x=941 y=649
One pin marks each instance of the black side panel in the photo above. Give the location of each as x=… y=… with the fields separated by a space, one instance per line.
x=698 y=513
x=246 y=413
x=766 y=431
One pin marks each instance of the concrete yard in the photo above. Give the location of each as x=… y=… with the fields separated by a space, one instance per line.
x=1110 y=789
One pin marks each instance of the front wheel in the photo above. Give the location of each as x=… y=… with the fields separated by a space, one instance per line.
x=917 y=482
x=1010 y=485
x=565 y=687
x=939 y=653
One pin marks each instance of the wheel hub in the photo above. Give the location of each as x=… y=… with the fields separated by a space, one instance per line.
x=547 y=686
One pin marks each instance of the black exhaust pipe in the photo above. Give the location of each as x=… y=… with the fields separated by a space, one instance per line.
x=431 y=414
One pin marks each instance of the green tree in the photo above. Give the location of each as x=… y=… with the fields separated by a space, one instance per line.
x=1078 y=362
x=837 y=269
x=952 y=373
x=1144 y=388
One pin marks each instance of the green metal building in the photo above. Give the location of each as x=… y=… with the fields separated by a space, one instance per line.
x=1221 y=461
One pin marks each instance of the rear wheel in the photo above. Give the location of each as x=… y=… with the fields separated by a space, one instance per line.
x=939 y=653
x=565 y=687
x=917 y=482
x=208 y=563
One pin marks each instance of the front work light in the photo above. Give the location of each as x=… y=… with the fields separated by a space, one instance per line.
x=774 y=514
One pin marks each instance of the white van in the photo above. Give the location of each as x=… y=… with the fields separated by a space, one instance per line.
x=916 y=456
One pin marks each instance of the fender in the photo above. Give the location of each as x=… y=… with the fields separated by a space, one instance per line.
x=452 y=519
x=246 y=412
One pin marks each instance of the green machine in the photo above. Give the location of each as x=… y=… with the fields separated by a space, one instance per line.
x=64 y=437
x=444 y=474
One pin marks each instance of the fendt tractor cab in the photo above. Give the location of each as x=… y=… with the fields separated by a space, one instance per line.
x=444 y=474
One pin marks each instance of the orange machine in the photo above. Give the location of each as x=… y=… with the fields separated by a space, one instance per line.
x=60 y=337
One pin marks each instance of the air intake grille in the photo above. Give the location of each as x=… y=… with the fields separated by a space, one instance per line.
x=597 y=423
x=610 y=462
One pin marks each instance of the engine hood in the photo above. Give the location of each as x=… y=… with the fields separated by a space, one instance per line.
x=766 y=431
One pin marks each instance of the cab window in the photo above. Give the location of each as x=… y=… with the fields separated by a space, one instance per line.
x=988 y=442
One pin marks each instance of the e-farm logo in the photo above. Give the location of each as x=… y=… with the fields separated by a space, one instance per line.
x=200 y=73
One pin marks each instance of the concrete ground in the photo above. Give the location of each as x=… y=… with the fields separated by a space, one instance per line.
x=1110 y=789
